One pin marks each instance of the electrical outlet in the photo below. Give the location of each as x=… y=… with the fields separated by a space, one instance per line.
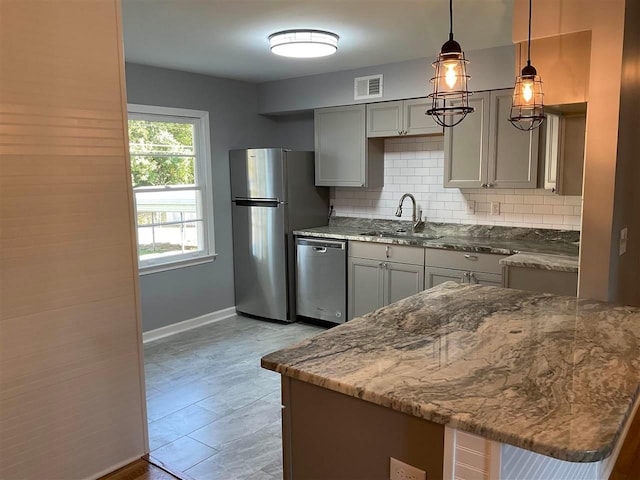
x=471 y=207
x=495 y=208
x=401 y=471
x=623 y=241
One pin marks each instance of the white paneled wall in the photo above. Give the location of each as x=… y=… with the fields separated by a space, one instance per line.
x=416 y=165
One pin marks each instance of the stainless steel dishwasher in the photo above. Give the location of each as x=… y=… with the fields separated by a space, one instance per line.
x=321 y=280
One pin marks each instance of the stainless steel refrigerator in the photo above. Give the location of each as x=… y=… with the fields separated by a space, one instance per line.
x=273 y=193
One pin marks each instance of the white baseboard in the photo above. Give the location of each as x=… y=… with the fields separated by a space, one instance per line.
x=185 y=325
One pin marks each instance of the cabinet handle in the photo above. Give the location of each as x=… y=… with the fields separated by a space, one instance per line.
x=386 y=251
x=471 y=257
x=464 y=275
x=384 y=265
x=489 y=185
x=399 y=132
x=473 y=277
x=483 y=185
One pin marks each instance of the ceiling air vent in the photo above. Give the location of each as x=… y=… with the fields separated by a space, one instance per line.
x=367 y=87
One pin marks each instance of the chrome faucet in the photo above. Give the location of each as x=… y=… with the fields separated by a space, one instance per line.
x=416 y=216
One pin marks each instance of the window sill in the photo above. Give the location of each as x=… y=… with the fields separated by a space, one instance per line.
x=177 y=264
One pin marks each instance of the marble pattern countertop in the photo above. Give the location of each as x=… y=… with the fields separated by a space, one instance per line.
x=470 y=238
x=554 y=375
x=542 y=261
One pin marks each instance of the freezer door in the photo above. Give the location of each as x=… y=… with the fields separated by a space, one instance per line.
x=260 y=259
x=258 y=174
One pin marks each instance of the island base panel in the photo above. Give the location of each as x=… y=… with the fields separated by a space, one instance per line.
x=331 y=435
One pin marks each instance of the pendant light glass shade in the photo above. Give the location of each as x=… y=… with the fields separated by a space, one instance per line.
x=527 y=105
x=450 y=97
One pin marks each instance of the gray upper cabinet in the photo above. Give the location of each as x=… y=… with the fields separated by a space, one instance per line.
x=564 y=137
x=403 y=117
x=384 y=119
x=466 y=147
x=416 y=120
x=344 y=155
x=485 y=150
x=513 y=154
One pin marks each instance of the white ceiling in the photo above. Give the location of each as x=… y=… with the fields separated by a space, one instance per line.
x=228 y=38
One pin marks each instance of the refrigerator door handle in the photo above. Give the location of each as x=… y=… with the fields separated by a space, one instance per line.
x=252 y=202
x=258 y=199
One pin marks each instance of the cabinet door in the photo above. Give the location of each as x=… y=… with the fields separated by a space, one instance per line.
x=416 y=120
x=365 y=286
x=384 y=119
x=401 y=280
x=340 y=146
x=513 y=154
x=466 y=147
x=552 y=147
x=435 y=276
x=489 y=279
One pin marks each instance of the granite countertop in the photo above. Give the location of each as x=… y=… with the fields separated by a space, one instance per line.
x=470 y=238
x=561 y=263
x=554 y=375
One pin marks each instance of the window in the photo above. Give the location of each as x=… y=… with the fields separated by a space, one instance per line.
x=170 y=173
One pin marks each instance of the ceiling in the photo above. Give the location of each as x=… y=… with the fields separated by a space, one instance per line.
x=228 y=38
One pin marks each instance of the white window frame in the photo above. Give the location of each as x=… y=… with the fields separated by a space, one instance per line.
x=202 y=168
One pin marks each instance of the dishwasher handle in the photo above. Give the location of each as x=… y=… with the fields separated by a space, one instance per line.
x=320 y=249
x=321 y=243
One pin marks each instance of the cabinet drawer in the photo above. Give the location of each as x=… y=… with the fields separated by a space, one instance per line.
x=468 y=261
x=384 y=252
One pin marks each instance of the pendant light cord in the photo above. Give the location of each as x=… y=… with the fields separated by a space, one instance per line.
x=450 y=19
x=529 y=40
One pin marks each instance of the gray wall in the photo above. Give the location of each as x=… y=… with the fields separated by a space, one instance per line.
x=489 y=68
x=176 y=295
x=623 y=281
x=295 y=131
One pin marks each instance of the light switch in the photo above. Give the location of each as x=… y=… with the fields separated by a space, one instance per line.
x=623 y=241
x=495 y=208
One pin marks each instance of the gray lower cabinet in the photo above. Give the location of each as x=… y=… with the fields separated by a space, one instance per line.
x=345 y=157
x=365 y=286
x=540 y=280
x=462 y=267
x=436 y=275
x=374 y=280
x=401 y=280
x=485 y=150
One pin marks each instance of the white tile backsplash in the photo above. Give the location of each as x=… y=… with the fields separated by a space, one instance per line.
x=416 y=165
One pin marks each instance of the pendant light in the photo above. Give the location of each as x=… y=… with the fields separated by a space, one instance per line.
x=527 y=107
x=450 y=97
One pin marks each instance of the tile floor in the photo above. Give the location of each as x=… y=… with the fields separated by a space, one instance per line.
x=213 y=412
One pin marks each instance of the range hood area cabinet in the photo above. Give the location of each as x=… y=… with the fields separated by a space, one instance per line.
x=564 y=137
x=399 y=118
x=486 y=150
x=345 y=157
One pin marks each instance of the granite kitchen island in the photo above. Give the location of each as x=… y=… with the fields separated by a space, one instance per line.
x=465 y=381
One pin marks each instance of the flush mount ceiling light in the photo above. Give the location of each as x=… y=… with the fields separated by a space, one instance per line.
x=527 y=106
x=303 y=43
x=450 y=97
